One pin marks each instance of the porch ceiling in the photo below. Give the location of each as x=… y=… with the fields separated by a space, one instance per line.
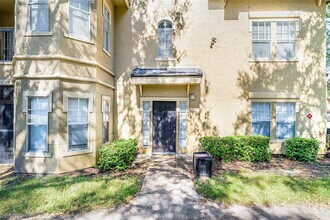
x=121 y=3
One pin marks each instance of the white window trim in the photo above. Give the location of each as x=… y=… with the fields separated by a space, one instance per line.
x=38 y=32
x=77 y=95
x=77 y=37
x=26 y=96
x=105 y=5
x=273 y=51
x=273 y=111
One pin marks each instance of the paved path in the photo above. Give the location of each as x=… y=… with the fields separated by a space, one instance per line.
x=168 y=193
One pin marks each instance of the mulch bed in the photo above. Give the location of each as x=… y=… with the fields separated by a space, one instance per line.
x=277 y=165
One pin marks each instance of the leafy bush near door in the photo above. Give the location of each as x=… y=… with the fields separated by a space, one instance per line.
x=244 y=148
x=119 y=154
x=302 y=149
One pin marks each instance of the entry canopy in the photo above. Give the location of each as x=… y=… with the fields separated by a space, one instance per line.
x=145 y=76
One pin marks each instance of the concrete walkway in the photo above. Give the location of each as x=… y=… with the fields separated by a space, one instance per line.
x=168 y=193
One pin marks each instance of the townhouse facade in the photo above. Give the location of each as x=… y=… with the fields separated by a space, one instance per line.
x=76 y=74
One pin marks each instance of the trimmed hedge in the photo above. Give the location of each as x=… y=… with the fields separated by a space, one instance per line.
x=244 y=148
x=119 y=154
x=302 y=149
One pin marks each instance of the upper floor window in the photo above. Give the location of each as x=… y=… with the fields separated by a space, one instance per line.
x=79 y=18
x=286 y=40
x=261 y=40
x=38 y=15
x=6 y=44
x=106 y=27
x=165 y=34
x=281 y=45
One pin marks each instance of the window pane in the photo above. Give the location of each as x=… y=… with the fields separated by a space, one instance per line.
x=37 y=136
x=261 y=49
x=261 y=119
x=78 y=136
x=39 y=17
x=183 y=124
x=165 y=35
x=255 y=30
x=286 y=50
x=146 y=123
x=79 y=23
x=73 y=104
x=285 y=120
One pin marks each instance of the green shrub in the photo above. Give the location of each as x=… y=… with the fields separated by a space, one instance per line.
x=244 y=148
x=119 y=154
x=302 y=149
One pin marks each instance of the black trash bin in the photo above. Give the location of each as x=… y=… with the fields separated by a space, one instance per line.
x=202 y=164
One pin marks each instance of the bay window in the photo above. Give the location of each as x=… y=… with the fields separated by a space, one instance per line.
x=105 y=118
x=79 y=18
x=37 y=124
x=106 y=28
x=78 y=123
x=38 y=15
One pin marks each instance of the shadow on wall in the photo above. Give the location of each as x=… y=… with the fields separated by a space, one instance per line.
x=48 y=46
x=305 y=77
x=142 y=48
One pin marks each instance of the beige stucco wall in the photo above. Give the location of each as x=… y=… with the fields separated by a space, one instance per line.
x=223 y=106
x=59 y=63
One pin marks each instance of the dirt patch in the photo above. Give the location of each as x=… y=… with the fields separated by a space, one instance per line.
x=277 y=165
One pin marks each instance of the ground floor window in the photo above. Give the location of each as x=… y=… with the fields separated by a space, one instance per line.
x=105 y=118
x=146 y=123
x=282 y=113
x=261 y=119
x=285 y=120
x=78 y=123
x=37 y=124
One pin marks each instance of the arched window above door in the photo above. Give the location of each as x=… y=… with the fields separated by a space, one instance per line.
x=165 y=35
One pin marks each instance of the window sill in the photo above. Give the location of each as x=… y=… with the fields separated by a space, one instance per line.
x=5 y=62
x=38 y=34
x=272 y=61
x=71 y=153
x=165 y=59
x=38 y=154
x=80 y=39
x=106 y=52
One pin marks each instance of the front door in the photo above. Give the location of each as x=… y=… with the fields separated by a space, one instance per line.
x=164 y=127
x=6 y=124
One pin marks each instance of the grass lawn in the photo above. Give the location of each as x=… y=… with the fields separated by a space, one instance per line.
x=260 y=188
x=65 y=194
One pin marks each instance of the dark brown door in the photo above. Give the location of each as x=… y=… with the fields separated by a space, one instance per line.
x=164 y=127
x=6 y=124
